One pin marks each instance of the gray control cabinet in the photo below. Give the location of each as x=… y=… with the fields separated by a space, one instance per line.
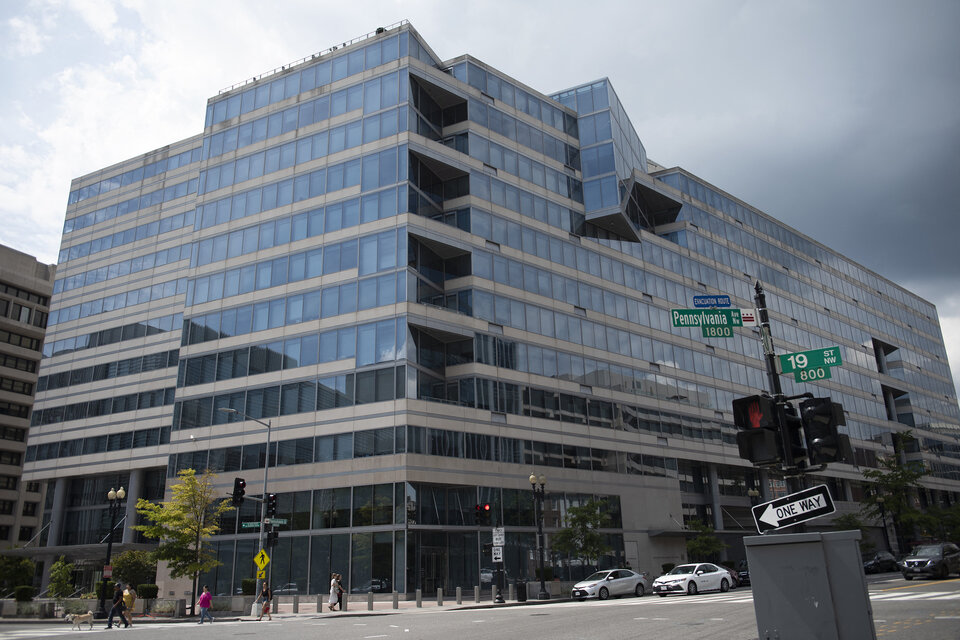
x=809 y=586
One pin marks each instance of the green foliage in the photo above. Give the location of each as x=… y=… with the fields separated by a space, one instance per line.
x=895 y=482
x=147 y=591
x=61 y=579
x=941 y=523
x=185 y=524
x=99 y=588
x=23 y=593
x=135 y=567
x=15 y=572
x=852 y=522
x=248 y=586
x=705 y=545
x=581 y=537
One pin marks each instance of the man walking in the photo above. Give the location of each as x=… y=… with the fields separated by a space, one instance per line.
x=117 y=609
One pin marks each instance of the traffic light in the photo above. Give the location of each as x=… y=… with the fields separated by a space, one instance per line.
x=481 y=513
x=759 y=436
x=821 y=417
x=272 y=536
x=795 y=443
x=487 y=512
x=239 y=484
x=271 y=505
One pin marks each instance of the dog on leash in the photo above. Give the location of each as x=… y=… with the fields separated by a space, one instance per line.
x=79 y=618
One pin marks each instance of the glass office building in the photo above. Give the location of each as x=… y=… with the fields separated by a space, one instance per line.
x=431 y=280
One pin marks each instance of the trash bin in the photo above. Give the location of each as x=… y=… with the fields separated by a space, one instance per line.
x=521 y=591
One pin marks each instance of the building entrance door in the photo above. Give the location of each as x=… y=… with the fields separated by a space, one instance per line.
x=433 y=567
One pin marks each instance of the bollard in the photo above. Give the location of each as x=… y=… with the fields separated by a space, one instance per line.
x=511 y=591
x=396 y=600
x=439 y=597
x=419 y=598
x=344 y=599
x=370 y=601
x=476 y=593
x=459 y=595
x=296 y=604
x=319 y=603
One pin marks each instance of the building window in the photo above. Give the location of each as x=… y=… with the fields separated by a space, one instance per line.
x=8 y=482
x=25 y=534
x=30 y=508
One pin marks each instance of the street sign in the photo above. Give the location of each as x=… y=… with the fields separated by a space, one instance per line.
x=249 y=525
x=716 y=332
x=748 y=317
x=261 y=575
x=706 y=317
x=261 y=559
x=711 y=301
x=107 y=571
x=807 y=366
x=793 y=509
x=498 y=554
x=498 y=537
x=278 y=521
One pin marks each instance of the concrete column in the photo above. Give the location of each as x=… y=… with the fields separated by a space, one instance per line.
x=715 y=496
x=134 y=492
x=57 y=512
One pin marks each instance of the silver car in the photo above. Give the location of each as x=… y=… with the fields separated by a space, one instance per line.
x=611 y=582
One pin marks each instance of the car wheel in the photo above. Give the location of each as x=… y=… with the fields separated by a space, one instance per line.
x=724 y=586
x=692 y=588
x=638 y=591
x=944 y=572
x=603 y=594
x=662 y=595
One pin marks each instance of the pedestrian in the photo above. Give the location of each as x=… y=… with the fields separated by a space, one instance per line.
x=333 y=600
x=117 y=608
x=129 y=599
x=266 y=595
x=204 y=604
x=339 y=592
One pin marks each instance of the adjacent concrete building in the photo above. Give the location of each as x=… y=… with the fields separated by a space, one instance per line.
x=430 y=280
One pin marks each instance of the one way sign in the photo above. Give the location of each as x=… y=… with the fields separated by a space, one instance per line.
x=793 y=509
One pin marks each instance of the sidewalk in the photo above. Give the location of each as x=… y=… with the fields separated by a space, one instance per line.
x=309 y=609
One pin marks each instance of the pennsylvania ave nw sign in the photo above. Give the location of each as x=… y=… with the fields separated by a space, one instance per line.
x=793 y=509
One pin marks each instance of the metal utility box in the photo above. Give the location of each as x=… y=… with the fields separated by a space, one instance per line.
x=809 y=586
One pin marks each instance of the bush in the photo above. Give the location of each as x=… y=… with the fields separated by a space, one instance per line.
x=547 y=574
x=23 y=593
x=248 y=586
x=147 y=591
x=667 y=566
x=99 y=588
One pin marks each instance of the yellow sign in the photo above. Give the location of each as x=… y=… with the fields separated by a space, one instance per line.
x=261 y=559
x=261 y=575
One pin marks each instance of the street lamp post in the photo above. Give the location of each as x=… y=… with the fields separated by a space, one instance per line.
x=883 y=520
x=538 y=484
x=266 y=470
x=115 y=499
x=754 y=496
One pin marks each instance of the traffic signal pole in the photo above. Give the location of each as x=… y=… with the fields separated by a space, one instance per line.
x=793 y=478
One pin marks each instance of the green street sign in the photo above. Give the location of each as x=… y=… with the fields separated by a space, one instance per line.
x=792 y=362
x=812 y=374
x=717 y=332
x=706 y=318
x=278 y=521
x=249 y=525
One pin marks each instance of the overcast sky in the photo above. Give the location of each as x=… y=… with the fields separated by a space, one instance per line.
x=840 y=118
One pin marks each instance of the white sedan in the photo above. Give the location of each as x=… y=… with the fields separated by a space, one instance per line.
x=692 y=579
x=612 y=582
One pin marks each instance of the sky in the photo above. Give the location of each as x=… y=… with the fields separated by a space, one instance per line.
x=840 y=119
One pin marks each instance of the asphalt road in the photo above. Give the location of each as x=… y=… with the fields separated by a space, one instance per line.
x=916 y=610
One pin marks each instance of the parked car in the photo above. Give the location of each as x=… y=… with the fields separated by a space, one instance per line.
x=288 y=589
x=934 y=560
x=734 y=576
x=611 y=582
x=743 y=573
x=879 y=562
x=692 y=579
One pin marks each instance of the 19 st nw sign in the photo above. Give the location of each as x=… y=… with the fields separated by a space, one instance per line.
x=793 y=509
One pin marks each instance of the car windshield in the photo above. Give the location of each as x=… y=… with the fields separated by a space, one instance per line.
x=599 y=575
x=682 y=570
x=926 y=550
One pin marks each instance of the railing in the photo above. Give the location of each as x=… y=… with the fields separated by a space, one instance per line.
x=331 y=49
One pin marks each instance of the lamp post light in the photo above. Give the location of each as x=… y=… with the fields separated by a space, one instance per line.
x=538 y=484
x=754 y=496
x=266 y=471
x=115 y=499
x=883 y=520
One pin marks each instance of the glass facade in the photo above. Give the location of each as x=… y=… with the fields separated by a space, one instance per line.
x=430 y=281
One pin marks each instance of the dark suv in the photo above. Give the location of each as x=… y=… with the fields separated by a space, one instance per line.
x=933 y=560
x=879 y=562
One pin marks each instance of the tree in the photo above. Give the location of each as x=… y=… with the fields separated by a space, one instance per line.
x=581 y=537
x=15 y=572
x=851 y=522
x=135 y=567
x=895 y=481
x=705 y=546
x=184 y=525
x=61 y=580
